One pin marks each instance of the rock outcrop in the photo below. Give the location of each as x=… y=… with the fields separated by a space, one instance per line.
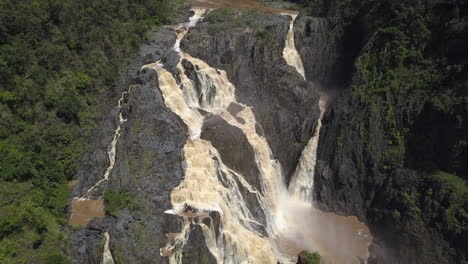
x=238 y=155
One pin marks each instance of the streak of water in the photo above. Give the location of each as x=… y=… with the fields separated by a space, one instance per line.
x=290 y=53
x=111 y=152
x=107 y=255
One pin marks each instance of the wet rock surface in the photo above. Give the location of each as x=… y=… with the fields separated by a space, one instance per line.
x=350 y=179
x=233 y=146
x=236 y=153
x=195 y=251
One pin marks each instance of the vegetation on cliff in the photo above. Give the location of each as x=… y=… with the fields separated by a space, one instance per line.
x=306 y=257
x=56 y=59
x=411 y=84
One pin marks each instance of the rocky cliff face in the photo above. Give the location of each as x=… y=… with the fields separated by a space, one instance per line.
x=148 y=165
x=248 y=46
x=352 y=179
x=364 y=166
x=149 y=161
x=317 y=41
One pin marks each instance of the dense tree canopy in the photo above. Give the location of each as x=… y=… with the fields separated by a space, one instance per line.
x=56 y=58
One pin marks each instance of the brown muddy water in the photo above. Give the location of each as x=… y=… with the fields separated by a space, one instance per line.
x=84 y=211
x=338 y=239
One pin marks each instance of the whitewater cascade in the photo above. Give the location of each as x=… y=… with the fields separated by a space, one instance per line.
x=290 y=53
x=209 y=186
x=211 y=191
x=338 y=239
x=106 y=255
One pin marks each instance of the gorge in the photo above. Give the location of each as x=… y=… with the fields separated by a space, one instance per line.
x=245 y=177
x=215 y=131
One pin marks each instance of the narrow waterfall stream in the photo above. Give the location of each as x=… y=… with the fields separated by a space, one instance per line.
x=338 y=239
x=90 y=205
x=106 y=255
x=290 y=53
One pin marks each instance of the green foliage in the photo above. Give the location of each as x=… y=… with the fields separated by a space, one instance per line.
x=456 y=183
x=309 y=258
x=57 y=259
x=234 y=19
x=117 y=200
x=56 y=58
x=455 y=190
x=264 y=34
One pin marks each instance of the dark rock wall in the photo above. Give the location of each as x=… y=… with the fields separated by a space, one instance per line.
x=361 y=172
x=316 y=42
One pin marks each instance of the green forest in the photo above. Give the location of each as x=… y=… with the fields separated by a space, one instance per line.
x=56 y=58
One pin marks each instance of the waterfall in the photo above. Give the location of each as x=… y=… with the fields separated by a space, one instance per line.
x=209 y=186
x=202 y=188
x=85 y=208
x=290 y=53
x=302 y=181
x=107 y=255
x=211 y=191
x=338 y=239
x=183 y=28
x=301 y=185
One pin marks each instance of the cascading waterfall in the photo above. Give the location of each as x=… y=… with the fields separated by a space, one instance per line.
x=183 y=28
x=211 y=190
x=202 y=189
x=301 y=185
x=106 y=255
x=290 y=53
x=338 y=239
x=209 y=185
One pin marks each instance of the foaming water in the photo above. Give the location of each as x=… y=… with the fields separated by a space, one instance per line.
x=183 y=28
x=111 y=152
x=290 y=53
x=209 y=186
